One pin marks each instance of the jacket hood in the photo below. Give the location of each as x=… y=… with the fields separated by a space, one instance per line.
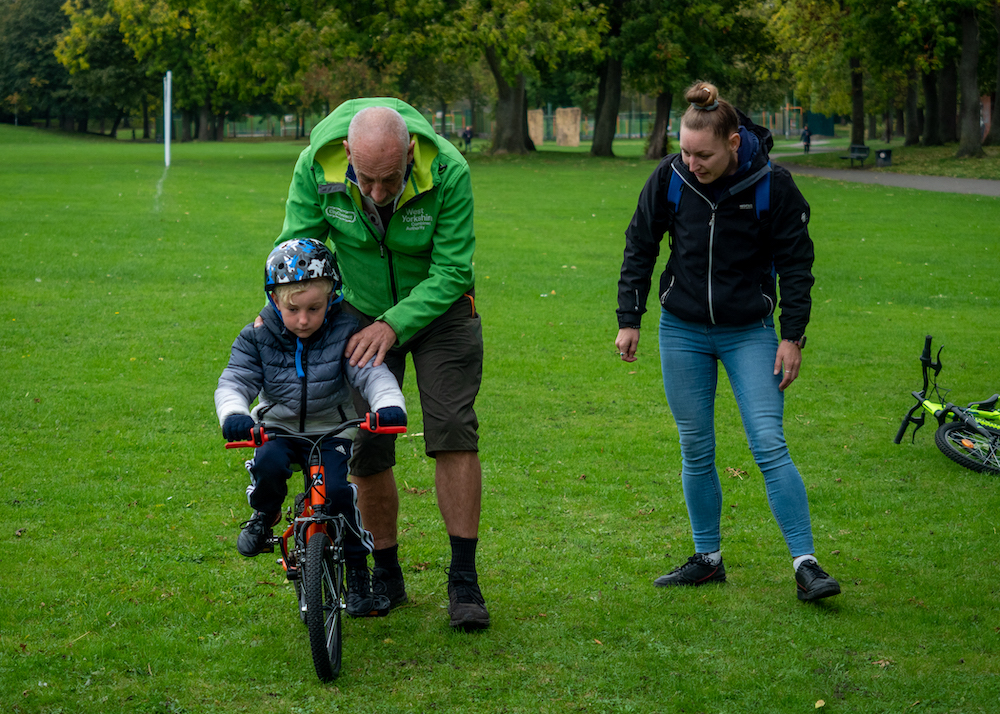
x=326 y=144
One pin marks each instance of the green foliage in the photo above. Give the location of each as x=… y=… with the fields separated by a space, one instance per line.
x=103 y=66
x=126 y=285
x=30 y=75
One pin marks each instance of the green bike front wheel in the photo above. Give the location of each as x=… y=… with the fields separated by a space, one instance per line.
x=324 y=597
x=968 y=448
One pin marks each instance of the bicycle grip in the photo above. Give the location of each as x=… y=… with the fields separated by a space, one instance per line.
x=370 y=424
x=926 y=356
x=902 y=430
x=259 y=437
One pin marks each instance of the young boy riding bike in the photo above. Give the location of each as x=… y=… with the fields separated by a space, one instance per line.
x=294 y=364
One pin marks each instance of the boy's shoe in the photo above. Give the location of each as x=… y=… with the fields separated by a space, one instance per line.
x=466 y=605
x=698 y=570
x=813 y=583
x=391 y=585
x=255 y=537
x=361 y=601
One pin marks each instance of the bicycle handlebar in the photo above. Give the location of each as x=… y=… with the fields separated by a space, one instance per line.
x=259 y=435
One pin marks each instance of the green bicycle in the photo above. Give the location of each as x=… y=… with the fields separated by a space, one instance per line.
x=970 y=435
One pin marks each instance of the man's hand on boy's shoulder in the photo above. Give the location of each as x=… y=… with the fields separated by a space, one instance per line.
x=373 y=341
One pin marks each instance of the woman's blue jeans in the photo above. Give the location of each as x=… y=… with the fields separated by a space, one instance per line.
x=690 y=354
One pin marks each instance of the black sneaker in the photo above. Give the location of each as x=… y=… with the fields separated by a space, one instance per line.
x=385 y=582
x=361 y=601
x=466 y=605
x=255 y=538
x=698 y=570
x=813 y=583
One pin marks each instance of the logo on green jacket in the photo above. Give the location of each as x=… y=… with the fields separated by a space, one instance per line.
x=340 y=214
x=416 y=219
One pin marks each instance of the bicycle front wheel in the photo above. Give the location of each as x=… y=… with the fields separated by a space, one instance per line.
x=968 y=448
x=324 y=590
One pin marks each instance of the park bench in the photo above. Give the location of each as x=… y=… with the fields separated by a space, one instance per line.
x=857 y=152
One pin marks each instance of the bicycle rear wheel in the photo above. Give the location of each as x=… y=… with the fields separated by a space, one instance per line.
x=324 y=590
x=968 y=448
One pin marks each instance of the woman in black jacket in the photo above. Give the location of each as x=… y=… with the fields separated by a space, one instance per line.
x=738 y=229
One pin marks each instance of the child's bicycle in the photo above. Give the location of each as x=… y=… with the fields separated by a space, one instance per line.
x=971 y=436
x=312 y=547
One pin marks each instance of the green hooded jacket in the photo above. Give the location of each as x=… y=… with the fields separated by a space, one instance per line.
x=423 y=264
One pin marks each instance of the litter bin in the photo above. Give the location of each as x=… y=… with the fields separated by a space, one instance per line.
x=883 y=157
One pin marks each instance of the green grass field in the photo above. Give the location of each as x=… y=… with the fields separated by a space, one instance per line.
x=125 y=285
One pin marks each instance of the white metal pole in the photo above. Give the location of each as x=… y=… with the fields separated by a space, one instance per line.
x=167 y=114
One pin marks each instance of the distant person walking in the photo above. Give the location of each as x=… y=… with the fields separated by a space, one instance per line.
x=806 y=139
x=467 y=137
x=718 y=294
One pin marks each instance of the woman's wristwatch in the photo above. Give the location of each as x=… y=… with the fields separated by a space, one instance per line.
x=800 y=342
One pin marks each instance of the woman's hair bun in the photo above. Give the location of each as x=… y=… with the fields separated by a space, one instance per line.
x=702 y=94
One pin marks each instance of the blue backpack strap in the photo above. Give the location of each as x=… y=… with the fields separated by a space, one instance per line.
x=674 y=189
x=762 y=197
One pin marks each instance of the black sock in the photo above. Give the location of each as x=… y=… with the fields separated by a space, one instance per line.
x=463 y=554
x=388 y=559
x=358 y=563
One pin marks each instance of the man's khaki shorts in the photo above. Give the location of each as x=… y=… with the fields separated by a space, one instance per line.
x=448 y=359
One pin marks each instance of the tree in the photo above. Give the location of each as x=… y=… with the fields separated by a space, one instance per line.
x=518 y=36
x=671 y=44
x=30 y=75
x=609 y=87
x=971 y=136
x=994 y=134
x=102 y=66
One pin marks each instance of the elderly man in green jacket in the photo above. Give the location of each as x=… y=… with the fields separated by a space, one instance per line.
x=394 y=201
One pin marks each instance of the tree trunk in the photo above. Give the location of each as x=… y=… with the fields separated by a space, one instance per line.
x=932 y=117
x=510 y=128
x=186 y=118
x=912 y=122
x=82 y=122
x=145 y=116
x=857 y=102
x=529 y=145
x=659 y=139
x=204 y=116
x=994 y=133
x=117 y=122
x=609 y=96
x=948 y=101
x=971 y=139
x=872 y=127
x=900 y=122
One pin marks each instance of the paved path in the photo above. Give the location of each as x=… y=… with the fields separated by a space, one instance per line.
x=944 y=184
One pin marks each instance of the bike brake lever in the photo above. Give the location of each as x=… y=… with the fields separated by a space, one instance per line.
x=936 y=365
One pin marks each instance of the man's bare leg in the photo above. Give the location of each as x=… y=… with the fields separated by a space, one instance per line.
x=458 y=479
x=378 y=501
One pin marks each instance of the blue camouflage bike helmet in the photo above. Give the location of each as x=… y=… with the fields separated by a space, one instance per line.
x=297 y=260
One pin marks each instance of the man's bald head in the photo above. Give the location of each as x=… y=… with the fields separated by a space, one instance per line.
x=379 y=148
x=383 y=125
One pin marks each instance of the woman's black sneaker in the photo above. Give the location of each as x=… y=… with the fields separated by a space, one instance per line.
x=698 y=570
x=813 y=583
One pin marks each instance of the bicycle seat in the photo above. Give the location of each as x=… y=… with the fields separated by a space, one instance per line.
x=986 y=405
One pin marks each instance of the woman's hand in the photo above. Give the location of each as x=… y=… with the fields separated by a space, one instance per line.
x=789 y=358
x=627 y=342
